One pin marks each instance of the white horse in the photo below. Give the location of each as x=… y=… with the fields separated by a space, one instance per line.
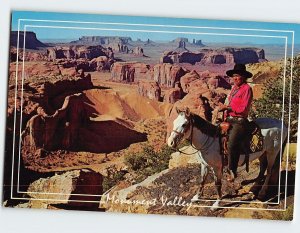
x=204 y=137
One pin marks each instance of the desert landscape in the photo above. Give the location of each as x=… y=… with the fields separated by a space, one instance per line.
x=88 y=119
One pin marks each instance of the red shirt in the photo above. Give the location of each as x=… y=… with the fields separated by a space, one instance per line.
x=240 y=99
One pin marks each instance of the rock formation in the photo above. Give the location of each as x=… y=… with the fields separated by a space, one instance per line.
x=174 y=94
x=149 y=89
x=129 y=71
x=32 y=69
x=187 y=79
x=196 y=103
x=218 y=81
x=27 y=55
x=70 y=128
x=31 y=42
x=101 y=63
x=181 y=46
x=149 y=42
x=119 y=47
x=202 y=97
x=35 y=71
x=265 y=71
x=76 y=52
x=217 y=56
x=102 y=40
x=174 y=57
x=198 y=42
x=164 y=74
x=67 y=190
x=167 y=74
x=138 y=51
x=91 y=58
x=156 y=191
x=59 y=130
x=180 y=39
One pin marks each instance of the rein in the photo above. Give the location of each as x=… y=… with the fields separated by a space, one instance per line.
x=204 y=147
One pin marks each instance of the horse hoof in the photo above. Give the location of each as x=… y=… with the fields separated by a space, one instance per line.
x=261 y=196
x=215 y=206
x=195 y=198
x=254 y=189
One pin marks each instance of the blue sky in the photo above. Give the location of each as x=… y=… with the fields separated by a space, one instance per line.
x=209 y=31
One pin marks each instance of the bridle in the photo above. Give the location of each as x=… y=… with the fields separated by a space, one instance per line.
x=206 y=144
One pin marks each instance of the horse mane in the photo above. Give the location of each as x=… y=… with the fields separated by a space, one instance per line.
x=204 y=126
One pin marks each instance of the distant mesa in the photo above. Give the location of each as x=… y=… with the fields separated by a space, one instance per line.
x=117 y=44
x=183 y=40
x=76 y=52
x=215 y=56
x=181 y=47
x=198 y=42
x=87 y=58
x=148 y=41
x=119 y=47
x=174 y=57
x=102 y=40
x=180 y=39
x=31 y=42
x=138 y=51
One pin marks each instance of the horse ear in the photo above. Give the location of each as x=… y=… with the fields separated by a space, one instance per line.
x=187 y=111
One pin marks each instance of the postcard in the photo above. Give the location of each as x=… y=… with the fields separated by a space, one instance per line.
x=152 y=115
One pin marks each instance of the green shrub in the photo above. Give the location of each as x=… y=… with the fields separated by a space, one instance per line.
x=113 y=177
x=141 y=165
x=148 y=161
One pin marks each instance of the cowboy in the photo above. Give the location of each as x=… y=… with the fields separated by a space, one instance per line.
x=236 y=109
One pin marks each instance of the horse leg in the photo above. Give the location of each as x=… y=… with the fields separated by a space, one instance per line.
x=263 y=191
x=263 y=163
x=203 y=176
x=200 y=190
x=218 y=183
x=273 y=164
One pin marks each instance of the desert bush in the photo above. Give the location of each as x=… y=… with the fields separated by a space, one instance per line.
x=141 y=165
x=113 y=177
x=148 y=161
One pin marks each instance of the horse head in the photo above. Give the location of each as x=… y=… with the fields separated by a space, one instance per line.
x=181 y=127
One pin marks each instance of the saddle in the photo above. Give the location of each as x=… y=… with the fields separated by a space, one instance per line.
x=254 y=142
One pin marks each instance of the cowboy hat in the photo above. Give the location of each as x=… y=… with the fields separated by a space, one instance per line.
x=239 y=69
